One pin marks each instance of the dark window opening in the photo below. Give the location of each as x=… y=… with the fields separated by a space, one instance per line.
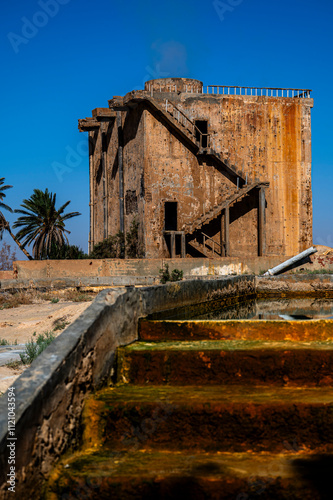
x=202 y=125
x=170 y=216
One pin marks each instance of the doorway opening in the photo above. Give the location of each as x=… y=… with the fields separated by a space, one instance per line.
x=170 y=216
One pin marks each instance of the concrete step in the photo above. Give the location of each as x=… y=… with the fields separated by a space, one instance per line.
x=227 y=362
x=163 y=475
x=211 y=418
x=306 y=331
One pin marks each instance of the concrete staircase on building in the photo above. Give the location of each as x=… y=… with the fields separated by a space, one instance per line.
x=204 y=412
x=214 y=248
x=182 y=125
x=216 y=211
x=186 y=130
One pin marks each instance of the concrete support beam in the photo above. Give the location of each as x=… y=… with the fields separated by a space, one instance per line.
x=120 y=173
x=183 y=246
x=261 y=223
x=221 y=236
x=92 y=198
x=226 y=231
x=173 y=245
x=88 y=124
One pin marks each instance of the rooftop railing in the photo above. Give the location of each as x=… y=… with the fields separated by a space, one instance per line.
x=256 y=91
x=234 y=90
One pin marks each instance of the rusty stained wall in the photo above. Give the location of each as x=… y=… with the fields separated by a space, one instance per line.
x=270 y=139
x=267 y=137
x=173 y=173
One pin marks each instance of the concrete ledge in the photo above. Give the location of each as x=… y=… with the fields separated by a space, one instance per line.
x=295 y=284
x=51 y=393
x=91 y=268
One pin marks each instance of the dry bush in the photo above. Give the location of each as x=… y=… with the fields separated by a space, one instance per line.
x=8 y=300
x=75 y=295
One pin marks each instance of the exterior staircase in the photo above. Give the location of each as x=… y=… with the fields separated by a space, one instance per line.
x=181 y=125
x=213 y=248
x=203 y=410
x=216 y=211
x=187 y=131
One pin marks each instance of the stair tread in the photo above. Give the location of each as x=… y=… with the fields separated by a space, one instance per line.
x=232 y=329
x=150 y=463
x=215 y=395
x=228 y=345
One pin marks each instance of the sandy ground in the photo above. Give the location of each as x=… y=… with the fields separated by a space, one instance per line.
x=18 y=324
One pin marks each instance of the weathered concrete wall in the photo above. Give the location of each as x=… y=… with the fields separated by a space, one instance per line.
x=267 y=138
x=270 y=139
x=173 y=173
x=295 y=284
x=50 y=394
x=85 y=268
x=5 y=275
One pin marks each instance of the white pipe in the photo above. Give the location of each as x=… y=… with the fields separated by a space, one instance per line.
x=291 y=261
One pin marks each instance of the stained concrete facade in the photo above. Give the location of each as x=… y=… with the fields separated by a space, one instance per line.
x=209 y=172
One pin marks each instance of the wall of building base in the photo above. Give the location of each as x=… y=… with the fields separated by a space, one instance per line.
x=149 y=268
x=140 y=267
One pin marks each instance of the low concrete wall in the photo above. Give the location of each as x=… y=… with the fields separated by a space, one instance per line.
x=295 y=284
x=5 y=275
x=86 y=268
x=49 y=396
x=145 y=269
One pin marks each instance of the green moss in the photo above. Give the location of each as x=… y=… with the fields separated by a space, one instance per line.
x=226 y=345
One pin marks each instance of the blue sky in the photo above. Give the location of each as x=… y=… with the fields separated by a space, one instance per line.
x=62 y=58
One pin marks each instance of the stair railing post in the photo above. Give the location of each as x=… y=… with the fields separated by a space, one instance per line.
x=261 y=222
x=221 y=237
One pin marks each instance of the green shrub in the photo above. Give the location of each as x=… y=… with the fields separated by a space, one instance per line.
x=61 y=325
x=176 y=274
x=164 y=274
x=4 y=342
x=133 y=247
x=34 y=349
x=112 y=247
x=14 y=365
x=67 y=252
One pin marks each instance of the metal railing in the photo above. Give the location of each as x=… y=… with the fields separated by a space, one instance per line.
x=206 y=237
x=235 y=90
x=186 y=122
x=256 y=91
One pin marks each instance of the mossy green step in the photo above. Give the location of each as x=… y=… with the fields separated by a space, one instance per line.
x=218 y=418
x=236 y=329
x=170 y=475
x=248 y=362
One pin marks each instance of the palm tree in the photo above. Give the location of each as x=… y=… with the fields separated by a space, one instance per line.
x=42 y=224
x=4 y=224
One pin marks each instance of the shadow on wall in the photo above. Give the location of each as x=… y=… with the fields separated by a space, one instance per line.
x=317 y=473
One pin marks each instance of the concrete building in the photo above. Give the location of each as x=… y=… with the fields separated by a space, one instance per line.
x=213 y=171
